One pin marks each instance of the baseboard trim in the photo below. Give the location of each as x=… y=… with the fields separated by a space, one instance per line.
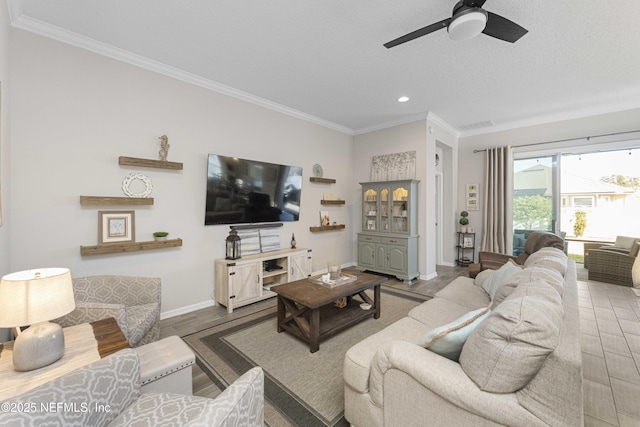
x=429 y=276
x=187 y=309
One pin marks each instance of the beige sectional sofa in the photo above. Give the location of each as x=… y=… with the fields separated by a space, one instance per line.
x=520 y=366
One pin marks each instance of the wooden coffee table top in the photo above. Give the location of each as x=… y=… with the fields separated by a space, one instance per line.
x=314 y=296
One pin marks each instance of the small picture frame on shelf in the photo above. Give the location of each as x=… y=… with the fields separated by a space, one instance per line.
x=116 y=227
x=468 y=242
x=371 y=224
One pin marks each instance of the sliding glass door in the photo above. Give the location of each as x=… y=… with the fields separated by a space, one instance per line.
x=536 y=189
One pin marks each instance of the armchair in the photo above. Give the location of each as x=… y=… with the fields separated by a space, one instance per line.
x=615 y=264
x=133 y=301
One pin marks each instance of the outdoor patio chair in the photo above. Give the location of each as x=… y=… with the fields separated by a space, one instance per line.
x=618 y=263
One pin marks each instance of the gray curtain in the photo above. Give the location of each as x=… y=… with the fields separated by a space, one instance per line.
x=497 y=227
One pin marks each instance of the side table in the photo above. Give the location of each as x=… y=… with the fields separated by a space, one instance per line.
x=83 y=344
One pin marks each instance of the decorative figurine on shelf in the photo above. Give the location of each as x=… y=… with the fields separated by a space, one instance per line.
x=233 y=245
x=293 y=241
x=164 y=147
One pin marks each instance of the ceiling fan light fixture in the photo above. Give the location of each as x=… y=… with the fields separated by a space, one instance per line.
x=468 y=24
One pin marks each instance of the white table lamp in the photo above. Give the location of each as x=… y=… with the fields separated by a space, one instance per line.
x=33 y=297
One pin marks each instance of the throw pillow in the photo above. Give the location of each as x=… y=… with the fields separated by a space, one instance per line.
x=447 y=340
x=482 y=276
x=510 y=346
x=500 y=277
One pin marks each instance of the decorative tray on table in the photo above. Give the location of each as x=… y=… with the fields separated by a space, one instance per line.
x=323 y=280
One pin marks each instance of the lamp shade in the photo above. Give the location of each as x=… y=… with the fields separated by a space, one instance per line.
x=34 y=296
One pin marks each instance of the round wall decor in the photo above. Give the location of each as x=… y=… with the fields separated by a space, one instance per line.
x=134 y=177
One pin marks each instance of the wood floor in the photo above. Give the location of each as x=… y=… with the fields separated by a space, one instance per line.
x=199 y=320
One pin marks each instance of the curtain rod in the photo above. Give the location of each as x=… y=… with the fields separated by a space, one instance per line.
x=569 y=139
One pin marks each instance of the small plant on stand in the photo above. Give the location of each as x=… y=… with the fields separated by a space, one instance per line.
x=160 y=235
x=464 y=221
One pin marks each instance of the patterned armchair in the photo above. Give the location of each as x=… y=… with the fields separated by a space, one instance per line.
x=133 y=301
x=618 y=263
x=107 y=393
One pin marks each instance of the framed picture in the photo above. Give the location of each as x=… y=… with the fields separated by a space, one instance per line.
x=468 y=242
x=471 y=193
x=116 y=227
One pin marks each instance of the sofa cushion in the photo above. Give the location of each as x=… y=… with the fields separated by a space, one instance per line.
x=464 y=292
x=510 y=346
x=357 y=360
x=447 y=340
x=528 y=275
x=550 y=258
x=500 y=277
x=624 y=242
x=633 y=252
x=438 y=311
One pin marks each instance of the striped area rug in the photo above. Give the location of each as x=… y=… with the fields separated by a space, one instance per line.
x=301 y=388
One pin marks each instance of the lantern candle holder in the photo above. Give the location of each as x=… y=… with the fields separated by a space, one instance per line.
x=233 y=245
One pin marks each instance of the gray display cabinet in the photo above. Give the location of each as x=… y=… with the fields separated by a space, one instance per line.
x=388 y=242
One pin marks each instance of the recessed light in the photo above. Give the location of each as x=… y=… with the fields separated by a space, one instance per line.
x=403 y=99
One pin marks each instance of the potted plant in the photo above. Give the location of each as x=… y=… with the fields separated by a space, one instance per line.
x=464 y=221
x=160 y=235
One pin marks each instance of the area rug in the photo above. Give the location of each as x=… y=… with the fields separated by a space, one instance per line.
x=301 y=388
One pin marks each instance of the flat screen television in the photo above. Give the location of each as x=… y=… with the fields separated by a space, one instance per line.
x=249 y=191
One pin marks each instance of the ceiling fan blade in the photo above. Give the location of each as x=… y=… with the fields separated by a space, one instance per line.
x=418 y=33
x=503 y=29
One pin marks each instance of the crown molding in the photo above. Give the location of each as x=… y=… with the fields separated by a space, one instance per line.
x=385 y=125
x=437 y=120
x=18 y=20
x=579 y=113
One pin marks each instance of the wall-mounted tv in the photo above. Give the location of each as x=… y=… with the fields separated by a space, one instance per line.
x=249 y=191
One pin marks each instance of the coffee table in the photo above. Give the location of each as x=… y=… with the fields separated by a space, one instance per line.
x=306 y=310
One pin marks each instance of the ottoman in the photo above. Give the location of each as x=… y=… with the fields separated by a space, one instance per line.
x=165 y=366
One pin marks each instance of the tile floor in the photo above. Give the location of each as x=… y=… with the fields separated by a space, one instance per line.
x=610 y=335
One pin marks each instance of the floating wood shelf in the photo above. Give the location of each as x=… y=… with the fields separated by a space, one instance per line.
x=147 y=163
x=327 y=227
x=322 y=180
x=101 y=200
x=332 y=202
x=113 y=248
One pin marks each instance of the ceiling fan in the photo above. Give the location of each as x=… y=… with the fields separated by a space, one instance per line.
x=468 y=20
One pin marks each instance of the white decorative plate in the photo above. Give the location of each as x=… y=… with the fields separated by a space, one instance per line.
x=317 y=171
x=133 y=177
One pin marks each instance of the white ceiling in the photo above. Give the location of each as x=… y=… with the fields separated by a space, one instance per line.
x=324 y=60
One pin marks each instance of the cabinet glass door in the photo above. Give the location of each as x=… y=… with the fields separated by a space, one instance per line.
x=399 y=215
x=384 y=209
x=370 y=210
